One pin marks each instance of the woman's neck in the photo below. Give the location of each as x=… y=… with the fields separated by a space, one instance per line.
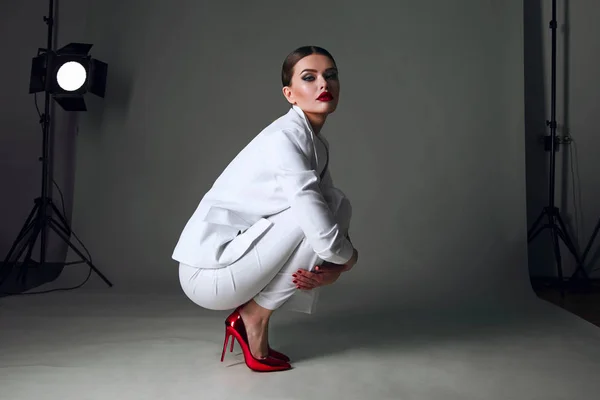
x=316 y=121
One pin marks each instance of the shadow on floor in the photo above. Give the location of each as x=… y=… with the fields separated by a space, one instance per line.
x=320 y=337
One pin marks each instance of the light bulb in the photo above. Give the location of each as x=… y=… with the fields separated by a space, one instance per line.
x=71 y=76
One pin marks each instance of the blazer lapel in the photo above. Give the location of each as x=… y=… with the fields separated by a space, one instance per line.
x=307 y=125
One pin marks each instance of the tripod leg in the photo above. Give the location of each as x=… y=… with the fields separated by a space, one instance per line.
x=567 y=239
x=535 y=224
x=66 y=239
x=589 y=245
x=8 y=266
x=581 y=263
x=20 y=245
x=538 y=232
x=26 y=228
x=23 y=273
x=555 y=244
x=65 y=224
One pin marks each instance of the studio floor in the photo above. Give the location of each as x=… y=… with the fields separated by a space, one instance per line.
x=81 y=346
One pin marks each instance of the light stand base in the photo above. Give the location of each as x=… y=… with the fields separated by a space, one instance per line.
x=36 y=222
x=557 y=230
x=588 y=247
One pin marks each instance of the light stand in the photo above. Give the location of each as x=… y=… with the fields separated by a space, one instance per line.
x=551 y=211
x=588 y=247
x=41 y=218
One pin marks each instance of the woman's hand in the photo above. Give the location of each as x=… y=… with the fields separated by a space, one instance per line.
x=353 y=260
x=324 y=275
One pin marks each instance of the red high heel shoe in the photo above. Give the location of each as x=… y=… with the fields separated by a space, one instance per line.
x=272 y=352
x=234 y=326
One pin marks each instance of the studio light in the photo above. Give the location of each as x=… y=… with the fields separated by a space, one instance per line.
x=65 y=75
x=68 y=74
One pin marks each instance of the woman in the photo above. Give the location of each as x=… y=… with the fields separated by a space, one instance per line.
x=273 y=228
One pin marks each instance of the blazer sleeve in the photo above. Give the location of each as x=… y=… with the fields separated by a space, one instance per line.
x=300 y=184
x=332 y=194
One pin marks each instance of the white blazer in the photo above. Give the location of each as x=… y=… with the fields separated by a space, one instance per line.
x=276 y=171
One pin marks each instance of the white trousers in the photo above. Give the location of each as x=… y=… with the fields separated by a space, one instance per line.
x=265 y=272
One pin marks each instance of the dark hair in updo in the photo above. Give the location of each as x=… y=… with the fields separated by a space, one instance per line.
x=287 y=70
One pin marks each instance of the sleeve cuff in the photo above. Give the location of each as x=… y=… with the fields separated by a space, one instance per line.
x=343 y=256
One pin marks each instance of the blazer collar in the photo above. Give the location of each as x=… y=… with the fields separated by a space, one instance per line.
x=299 y=111
x=303 y=116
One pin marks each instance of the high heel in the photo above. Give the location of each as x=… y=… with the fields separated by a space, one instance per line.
x=272 y=353
x=234 y=326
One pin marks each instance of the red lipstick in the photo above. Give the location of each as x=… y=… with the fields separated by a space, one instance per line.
x=325 y=96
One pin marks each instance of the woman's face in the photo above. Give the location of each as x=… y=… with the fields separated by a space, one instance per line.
x=313 y=76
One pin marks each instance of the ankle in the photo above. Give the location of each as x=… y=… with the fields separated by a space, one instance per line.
x=255 y=314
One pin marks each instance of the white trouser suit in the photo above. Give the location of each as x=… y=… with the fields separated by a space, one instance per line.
x=273 y=211
x=265 y=273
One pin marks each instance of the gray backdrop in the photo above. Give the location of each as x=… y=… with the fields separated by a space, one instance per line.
x=427 y=90
x=428 y=141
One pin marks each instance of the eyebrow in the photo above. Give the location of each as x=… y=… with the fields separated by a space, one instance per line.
x=314 y=70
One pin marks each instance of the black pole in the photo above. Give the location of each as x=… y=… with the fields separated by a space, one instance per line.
x=40 y=218
x=552 y=122
x=553 y=210
x=46 y=129
x=555 y=223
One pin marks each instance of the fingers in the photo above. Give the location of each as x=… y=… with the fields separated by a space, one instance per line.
x=305 y=280
x=305 y=277
x=305 y=287
x=332 y=268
